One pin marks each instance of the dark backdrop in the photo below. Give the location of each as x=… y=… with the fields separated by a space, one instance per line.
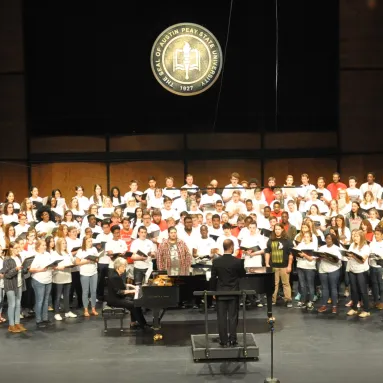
x=88 y=68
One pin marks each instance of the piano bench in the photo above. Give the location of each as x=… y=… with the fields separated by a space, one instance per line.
x=109 y=312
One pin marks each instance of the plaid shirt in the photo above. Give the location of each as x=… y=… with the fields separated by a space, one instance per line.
x=164 y=261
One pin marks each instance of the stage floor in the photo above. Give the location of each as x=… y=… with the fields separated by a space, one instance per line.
x=309 y=347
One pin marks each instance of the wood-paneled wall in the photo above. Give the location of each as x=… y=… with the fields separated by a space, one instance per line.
x=314 y=167
x=204 y=171
x=14 y=176
x=65 y=176
x=359 y=166
x=122 y=173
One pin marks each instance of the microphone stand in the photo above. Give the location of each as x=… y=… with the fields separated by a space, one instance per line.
x=271 y=322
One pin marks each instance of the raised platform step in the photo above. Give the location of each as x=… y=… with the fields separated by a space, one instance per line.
x=215 y=351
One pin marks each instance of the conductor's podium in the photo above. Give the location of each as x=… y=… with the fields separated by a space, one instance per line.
x=206 y=346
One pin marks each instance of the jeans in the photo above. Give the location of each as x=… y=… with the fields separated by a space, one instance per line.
x=89 y=284
x=330 y=282
x=102 y=274
x=306 y=278
x=1 y=300
x=139 y=275
x=14 y=305
x=376 y=274
x=42 y=293
x=62 y=288
x=359 y=288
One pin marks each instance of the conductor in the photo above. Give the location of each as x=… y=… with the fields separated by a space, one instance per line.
x=225 y=275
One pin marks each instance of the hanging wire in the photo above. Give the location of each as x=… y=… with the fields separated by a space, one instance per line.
x=223 y=66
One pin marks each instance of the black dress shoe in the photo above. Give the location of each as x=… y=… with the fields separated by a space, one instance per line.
x=41 y=325
x=233 y=343
x=223 y=344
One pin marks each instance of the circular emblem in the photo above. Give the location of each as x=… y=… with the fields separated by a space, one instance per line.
x=186 y=59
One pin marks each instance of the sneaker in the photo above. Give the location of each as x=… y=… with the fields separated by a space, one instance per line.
x=349 y=304
x=334 y=310
x=364 y=314
x=289 y=304
x=310 y=306
x=241 y=304
x=259 y=304
x=322 y=309
x=369 y=292
x=297 y=297
x=346 y=292
x=315 y=298
x=379 y=306
x=300 y=305
x=50 y=308
x=58 y=317
x=21 y=316
x=70 y=315
x=195 y=307
x=352 y=312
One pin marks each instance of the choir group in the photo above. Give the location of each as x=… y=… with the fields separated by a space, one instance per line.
x=56 y=252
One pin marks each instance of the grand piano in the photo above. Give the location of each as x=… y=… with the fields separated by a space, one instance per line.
x=159 y=298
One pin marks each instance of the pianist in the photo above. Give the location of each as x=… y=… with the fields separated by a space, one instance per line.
x=118 y=294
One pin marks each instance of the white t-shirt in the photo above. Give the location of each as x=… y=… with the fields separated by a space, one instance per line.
x=376 y=248
x=206 y=198
x=326 y=194
x=71 y=243
x=190 y=240
x=21 y=229
x=375 y=189
x=117 y=247
x=303 y=263
x=374 y=222
x=116 y=202
x=146 y=246
x=9 y=218
x=326 y=266
x=40 y=261
x=204 y=246
x=63 y=276
x=354 y=266
x=156 y=203
x=105 y=260
x=231 y=206
x=227 y=193
x=179 y=205
x=88 y=269
x=170 y=213
x=45 y=227
x=354 y=194
x=252 y=241
x=83 y=203
x=150 y=229
x=171 y=193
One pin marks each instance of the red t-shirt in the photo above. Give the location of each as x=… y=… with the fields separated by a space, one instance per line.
x=277 y=215
x=126 y=236
x=269 y=195
x=333 y=188
x=162 y=225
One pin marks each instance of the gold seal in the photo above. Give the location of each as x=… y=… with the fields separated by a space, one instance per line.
x=186 y=59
